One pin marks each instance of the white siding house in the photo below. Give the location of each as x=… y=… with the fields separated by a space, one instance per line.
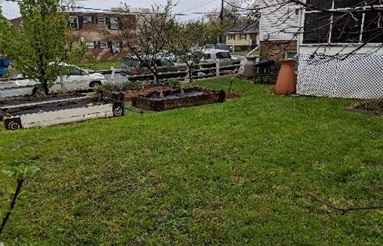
x=278 y=26
x=341 y=54
x=279 y=20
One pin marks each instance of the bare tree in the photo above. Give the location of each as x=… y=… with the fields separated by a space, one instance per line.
x=71 y=4
x=241 y=12
x=332 y=22
x=186 y=43
x=349 y=22
x=151 y=36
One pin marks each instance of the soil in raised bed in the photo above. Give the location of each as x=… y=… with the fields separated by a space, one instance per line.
x=49 y=107
x=126 y=94
x=175 y=94
x=36 y=99
x=178 y=98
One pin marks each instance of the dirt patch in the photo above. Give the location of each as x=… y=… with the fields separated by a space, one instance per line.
x=373 y=107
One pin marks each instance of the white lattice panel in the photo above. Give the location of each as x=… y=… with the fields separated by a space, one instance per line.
x=356 y=76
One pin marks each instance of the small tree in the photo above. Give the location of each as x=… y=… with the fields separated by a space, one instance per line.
x=151 y=37
x=41 y=42
x=186 y=43
x=3 y=27
x=8 y=196
x=220 y=20
x=214 y=28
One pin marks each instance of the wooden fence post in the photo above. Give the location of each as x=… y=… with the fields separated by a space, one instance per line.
x=217 y=67
x=113 y=73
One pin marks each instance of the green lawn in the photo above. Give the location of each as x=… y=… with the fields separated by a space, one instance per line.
x=235 y=173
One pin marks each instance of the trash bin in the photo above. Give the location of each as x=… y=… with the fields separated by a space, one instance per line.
x=4 y=64
x=287 y=79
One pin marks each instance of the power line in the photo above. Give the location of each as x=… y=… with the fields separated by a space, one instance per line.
x=126 y=11
x=196 y=6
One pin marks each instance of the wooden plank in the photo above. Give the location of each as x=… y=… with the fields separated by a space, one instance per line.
x=66 y=116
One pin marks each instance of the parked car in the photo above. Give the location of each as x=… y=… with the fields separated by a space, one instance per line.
x=75 y=79
x=133 y=66
x=219 y=46
x=166 y=55
x=223 y=56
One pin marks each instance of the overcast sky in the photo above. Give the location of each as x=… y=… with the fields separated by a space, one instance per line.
x=11 y=10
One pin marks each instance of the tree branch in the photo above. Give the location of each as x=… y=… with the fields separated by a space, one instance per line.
x=344 y=210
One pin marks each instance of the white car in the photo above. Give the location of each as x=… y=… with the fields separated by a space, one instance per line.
x=223 y=56
x=75 y=80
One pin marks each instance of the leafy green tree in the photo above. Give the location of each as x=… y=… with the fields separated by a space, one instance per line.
x=41 y=42
x=3 y=25
x=70 y=4
x=235 y=13
x=214 y=27
x=8 y=195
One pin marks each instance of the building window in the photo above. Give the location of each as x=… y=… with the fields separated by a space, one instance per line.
x=101 y=20
x=222 y=55
x=346 y=29
x=232 y=36
x=358 y=25
x=87 y=19
x=316 y=28
x=73 y=22
x=116 y=47
x=113 y=24
x=103 y=45
x=206 y=56
x=291 y=54
x=74 y=71
x=90 y=45
x=243 y=36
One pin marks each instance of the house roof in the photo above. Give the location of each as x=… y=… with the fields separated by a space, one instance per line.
x=247 y=28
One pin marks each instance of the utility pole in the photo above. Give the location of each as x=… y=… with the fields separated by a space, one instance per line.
x=220 y=38
x=221 y=15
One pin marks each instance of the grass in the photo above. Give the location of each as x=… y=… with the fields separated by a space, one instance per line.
x=235 y=173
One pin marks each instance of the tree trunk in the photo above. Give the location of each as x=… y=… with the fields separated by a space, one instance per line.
x=45 y=87
x=13 y=203
x=190 y=73
x=155 y=78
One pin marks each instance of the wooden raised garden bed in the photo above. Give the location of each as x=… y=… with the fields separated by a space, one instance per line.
x=25 y=113
x=126 y=94
x=177 y=98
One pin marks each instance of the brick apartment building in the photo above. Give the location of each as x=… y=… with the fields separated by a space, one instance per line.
x=101 y=30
